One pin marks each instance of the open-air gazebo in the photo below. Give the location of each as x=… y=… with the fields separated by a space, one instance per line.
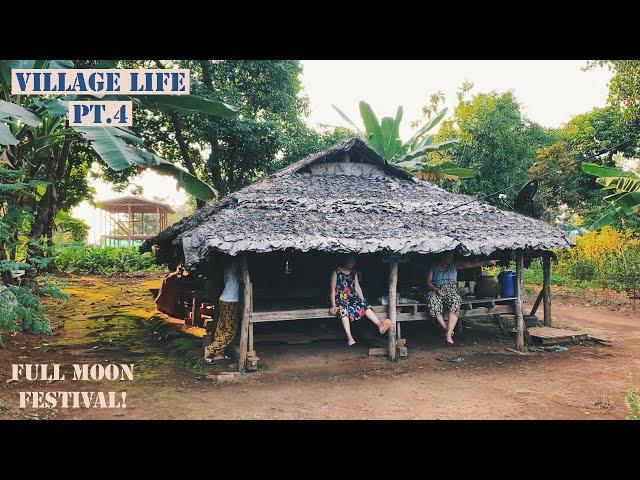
x=130 y=220
x=288 y=227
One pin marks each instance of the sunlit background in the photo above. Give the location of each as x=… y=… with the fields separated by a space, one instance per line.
x=550 y=93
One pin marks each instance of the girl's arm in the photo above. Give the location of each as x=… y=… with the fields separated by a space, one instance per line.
x=462 y=264
x=430 y=280
x=333 y=281
x=358 y=289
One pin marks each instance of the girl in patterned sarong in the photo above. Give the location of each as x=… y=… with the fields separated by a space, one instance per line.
x=442 y=280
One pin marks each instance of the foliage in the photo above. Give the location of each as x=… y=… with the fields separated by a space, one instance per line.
x=609 y=258
x=78 y=258
x=632 y=400
x=597 y=247
x=76 y=229
x=16 y=215
x=495 y=140
x=384 y=137
x=20 y=310
x=230 y=152
x=624 y=192
x=624 y=89
x=623 y=271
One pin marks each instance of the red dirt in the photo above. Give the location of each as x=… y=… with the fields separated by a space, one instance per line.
x=325 y=380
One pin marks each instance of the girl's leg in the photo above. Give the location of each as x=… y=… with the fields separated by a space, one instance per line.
x=382 y=326
x=453 y=319
x=441 y=321
x=435 y=307
x=372 y=316
x=452 y=301
x=347 y=329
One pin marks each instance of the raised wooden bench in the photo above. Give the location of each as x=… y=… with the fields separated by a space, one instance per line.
x=408 y=312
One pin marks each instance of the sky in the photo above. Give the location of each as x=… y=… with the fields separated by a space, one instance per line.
x=550 y=93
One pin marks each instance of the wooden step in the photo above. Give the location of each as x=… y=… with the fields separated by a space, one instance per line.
x=550 y=335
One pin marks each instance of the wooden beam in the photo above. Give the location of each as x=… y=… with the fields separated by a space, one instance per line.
x=519 y=297
x=130 y=230
x=546 y=288
x=393 y=299
x=247 y=306
x=536 y=304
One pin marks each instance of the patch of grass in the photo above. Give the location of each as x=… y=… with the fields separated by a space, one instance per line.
x=632 y=401
x=180 y=344
x=80 y=258
x=32 y=416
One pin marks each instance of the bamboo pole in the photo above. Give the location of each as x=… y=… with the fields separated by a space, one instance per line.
x=546 y=288
x=247 y=306
x=518 y=301
x=393 y=300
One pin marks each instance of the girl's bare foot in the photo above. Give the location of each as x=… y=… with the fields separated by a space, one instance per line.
x=351 y=342
x=384 y=326
x=448 y=337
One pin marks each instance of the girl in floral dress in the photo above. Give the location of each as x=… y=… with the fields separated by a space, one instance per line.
x=347 y=300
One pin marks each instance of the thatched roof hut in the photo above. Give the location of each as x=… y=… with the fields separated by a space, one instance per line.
x=347 y=199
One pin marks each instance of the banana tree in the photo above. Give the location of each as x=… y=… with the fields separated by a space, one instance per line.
x=414 y=155
x=624 y=198
x=117 y=147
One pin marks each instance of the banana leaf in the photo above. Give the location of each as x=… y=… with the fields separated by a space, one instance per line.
x=620 y=184
x=372 y=127
x=443 y=171
x=426 y=127
x=53 y=106
x=347 y=119
x=6 y=137
x=391 y=143
x=109 y=143
x=191 y=184
x=15 y=111
x=7 y=65
x=600 y=171
x=425 y=149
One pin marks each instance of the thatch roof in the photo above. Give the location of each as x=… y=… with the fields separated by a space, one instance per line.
x=135 y=203
x=333 y=209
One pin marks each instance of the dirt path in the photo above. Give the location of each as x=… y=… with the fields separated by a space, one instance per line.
x=105 y=322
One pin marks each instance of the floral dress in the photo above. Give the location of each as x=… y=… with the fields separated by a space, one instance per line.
x=347 y=300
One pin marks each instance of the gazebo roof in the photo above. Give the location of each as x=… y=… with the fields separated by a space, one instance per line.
x=137 y=204
x=361 y=205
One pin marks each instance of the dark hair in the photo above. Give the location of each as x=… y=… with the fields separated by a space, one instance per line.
x=343 y=259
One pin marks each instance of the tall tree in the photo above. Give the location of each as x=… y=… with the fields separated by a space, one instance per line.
x=495 y=139
x=230 y=153
x=565 y=186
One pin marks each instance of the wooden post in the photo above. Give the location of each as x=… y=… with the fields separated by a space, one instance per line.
x=518 y=301
x=393 y=300
x=158 y=221
x=131 y=225
x=546 y=288
x=247 y=307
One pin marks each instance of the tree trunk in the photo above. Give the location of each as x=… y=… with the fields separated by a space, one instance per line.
x=213 y=162
x=182 y=144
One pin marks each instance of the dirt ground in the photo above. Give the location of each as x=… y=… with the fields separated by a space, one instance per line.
x=106 y=321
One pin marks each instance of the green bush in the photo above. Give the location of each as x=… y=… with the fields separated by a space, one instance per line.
x=583 y=269
x=622 y=272
x=633 y=404
x=20 y=310
x=79 y=258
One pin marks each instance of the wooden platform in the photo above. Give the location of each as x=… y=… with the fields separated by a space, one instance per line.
x=550 y=335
